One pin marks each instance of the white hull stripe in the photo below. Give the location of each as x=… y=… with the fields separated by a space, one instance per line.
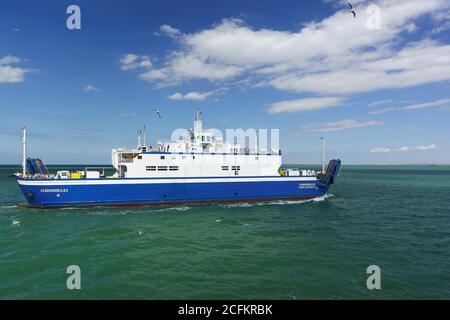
x=74 y=182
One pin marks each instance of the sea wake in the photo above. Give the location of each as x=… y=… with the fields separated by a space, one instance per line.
x=174 y=208
x=8 y=207
x=277 y=202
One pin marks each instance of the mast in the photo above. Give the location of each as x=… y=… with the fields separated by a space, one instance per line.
x=323 y=154
x=198 y=123
x=145 y=136
x=139 y=139
x=24 y=150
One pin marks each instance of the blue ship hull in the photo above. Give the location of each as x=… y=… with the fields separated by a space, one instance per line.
x=167 y=193
x=148 y=191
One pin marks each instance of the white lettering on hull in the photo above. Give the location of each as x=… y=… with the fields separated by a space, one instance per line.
x=55 y=190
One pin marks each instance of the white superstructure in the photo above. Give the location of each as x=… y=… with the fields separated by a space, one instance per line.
x=199 y=153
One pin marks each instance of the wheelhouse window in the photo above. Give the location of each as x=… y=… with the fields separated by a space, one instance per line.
x=173 y=168
x=225 y=168
x=162 y=168
x=150 y=168
x=236 y=168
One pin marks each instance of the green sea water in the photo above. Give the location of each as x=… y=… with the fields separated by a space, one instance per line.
x=396 y=217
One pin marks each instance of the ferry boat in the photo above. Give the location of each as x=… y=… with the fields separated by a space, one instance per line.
x=198 y=168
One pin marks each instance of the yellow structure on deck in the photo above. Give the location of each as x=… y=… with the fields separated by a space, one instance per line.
x=75 y=175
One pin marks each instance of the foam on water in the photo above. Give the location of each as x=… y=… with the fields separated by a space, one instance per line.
x=114 y=211
x=174 y=208
x=324 y=197
x=9 y=207
x=77 y=208
x=276 y=202
x=284 y=202
x=182 y=208
x=15 y=222
x=239 y=205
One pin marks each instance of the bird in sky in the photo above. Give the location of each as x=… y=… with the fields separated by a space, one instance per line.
x=351 y=9
x=158 y=113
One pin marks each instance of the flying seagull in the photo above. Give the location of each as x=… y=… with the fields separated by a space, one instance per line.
x=351 y=9
x=158 y=113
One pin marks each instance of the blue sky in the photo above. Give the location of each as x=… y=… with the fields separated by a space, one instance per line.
x=377 y=87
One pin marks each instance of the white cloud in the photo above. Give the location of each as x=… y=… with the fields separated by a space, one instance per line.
x=169 y=31
x=381 y=111
x=152 y=75
x=338 y=125
x=197 y=96
x=305 y=104
x=128 y=61
x=442 y=22
x=379 y=102
x=133 y=61
x=9 y=60
x=380 y=150
x=191 y=67
x=90 y=88
x=404 y=149
x=424 y=105
x=411 y=28
x=417 y=148
x=443 y=27
x=176 y=96
x=180 y=67
x=418 y=63
x=441 y=102
x=9 y=74
x=338 y=55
